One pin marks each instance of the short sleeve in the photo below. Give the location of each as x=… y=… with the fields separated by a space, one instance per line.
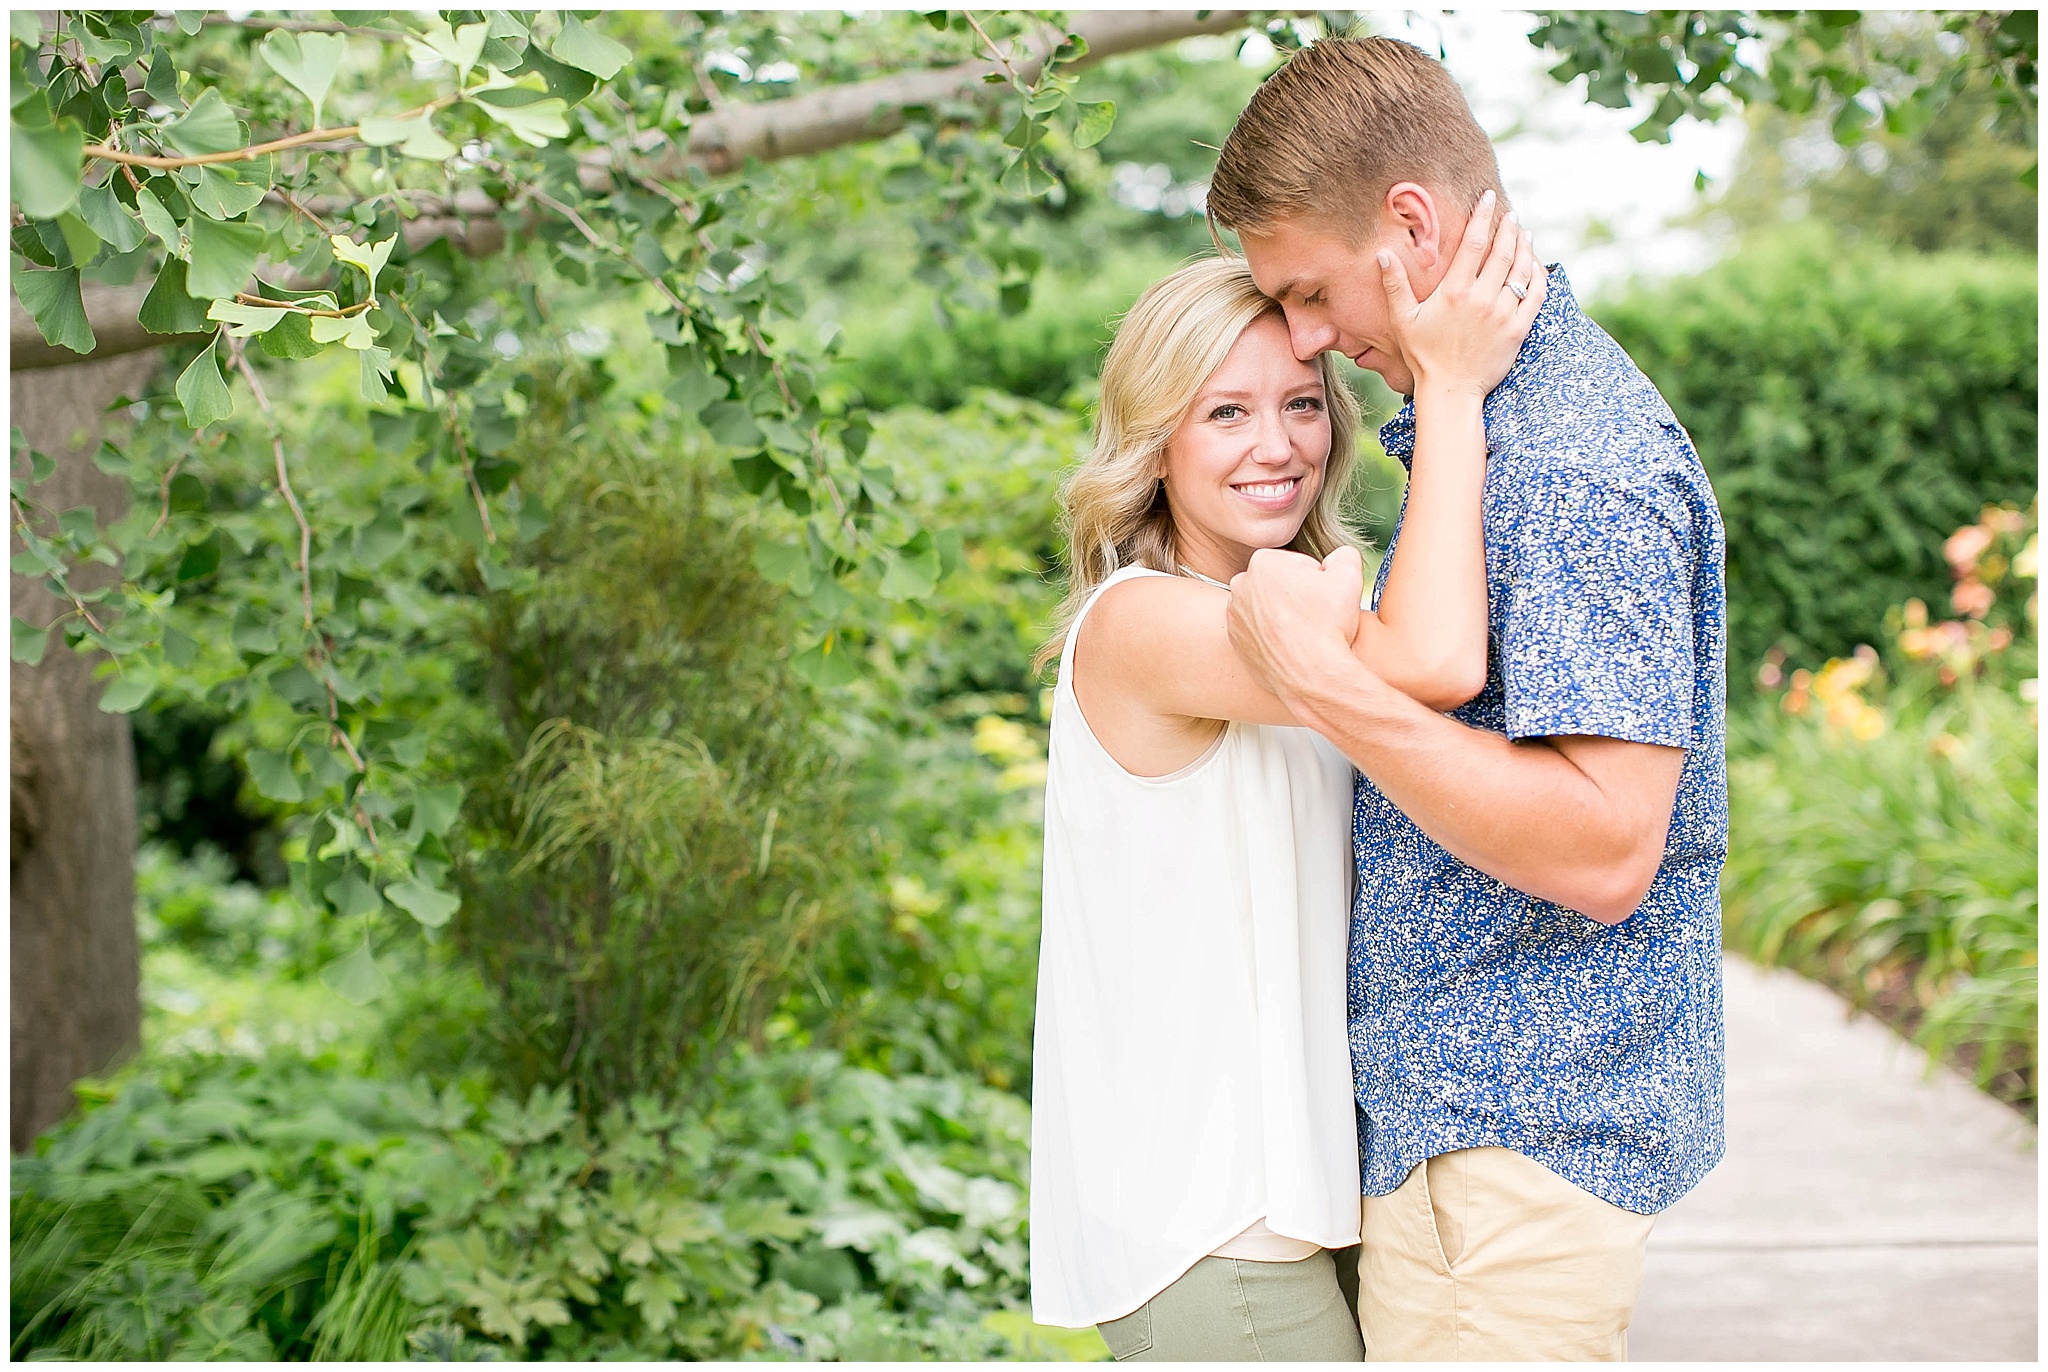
x=1598 y=633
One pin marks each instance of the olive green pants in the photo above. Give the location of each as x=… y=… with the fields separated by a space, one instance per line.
x=1235 y=1310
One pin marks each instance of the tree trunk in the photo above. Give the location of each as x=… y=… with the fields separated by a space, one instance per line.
x=76 y=970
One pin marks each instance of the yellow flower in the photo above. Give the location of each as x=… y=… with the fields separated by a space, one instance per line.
x=1003 y=740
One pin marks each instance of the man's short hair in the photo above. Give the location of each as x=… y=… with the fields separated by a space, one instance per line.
x=1345 y=119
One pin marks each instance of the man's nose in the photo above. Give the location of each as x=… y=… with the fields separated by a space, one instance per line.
x=1311 y=338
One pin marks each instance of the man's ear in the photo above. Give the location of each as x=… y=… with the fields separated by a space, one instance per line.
x=1410 y=211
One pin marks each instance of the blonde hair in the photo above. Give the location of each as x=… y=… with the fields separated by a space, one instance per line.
x=1331 y=132
x=1114 y=510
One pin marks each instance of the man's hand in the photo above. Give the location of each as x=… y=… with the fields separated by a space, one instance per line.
x=1292 y=619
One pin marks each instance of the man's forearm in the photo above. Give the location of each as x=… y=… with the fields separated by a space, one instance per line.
x=1523 y=813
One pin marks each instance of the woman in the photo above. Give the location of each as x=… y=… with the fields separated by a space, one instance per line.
x=1194 y=1154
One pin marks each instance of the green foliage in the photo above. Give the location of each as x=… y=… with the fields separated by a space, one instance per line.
x=937 y=971
x=1862 y=72
x=1884 y=822
x=656 y=829
x=1954 y=185
x=904 y=353
x=799 y=1208
x=205 y=152
x=1852 y=406
x=1901 y=871
x=193 y=904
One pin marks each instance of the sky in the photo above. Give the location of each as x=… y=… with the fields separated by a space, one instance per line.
x=1596 y=200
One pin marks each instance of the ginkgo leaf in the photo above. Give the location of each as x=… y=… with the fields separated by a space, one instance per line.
x=125 y=696
x=1098 y=117
x=158 y=219
x=207 y=126
x=244 y=321
x=381 y=132
x=370 y=257
x=535 y=123
x=55 y=302
x=45 y=166
x=109 y=219
x=585 y=48
x=222 y=256
x=356 y=977
x=430 y=907
x=353 y=332
x=221 y=195
x=427 y=144
x=202 y=391
x=414 y=137
x=307 y=60
x=458 y=47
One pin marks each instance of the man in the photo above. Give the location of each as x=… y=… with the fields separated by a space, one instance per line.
x=1535 y=996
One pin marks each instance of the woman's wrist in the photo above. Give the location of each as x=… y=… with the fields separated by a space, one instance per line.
x=1447 y=398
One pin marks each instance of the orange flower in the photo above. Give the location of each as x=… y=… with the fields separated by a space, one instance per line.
x=2003 y=519
x=1965 y=546
x=1973 y=598
x=1799 y=697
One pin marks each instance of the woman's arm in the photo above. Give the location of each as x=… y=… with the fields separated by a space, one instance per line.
x=1428 y=638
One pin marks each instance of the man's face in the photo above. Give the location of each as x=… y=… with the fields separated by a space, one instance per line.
x=1331 y=292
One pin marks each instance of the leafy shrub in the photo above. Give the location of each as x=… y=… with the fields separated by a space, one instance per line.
x=1852 y=406
x=801 y=1207
x=1884 y=826
x=654 y=833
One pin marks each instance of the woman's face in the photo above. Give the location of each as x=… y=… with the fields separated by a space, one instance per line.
x=1246 y=463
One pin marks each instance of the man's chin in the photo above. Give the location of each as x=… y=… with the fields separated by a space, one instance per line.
x=1389 y=370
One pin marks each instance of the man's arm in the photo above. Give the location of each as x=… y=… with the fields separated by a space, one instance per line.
x=1580 y=821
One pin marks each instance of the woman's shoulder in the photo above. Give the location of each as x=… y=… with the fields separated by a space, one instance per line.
x=1138 y=604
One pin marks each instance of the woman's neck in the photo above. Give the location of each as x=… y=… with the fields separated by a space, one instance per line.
x=1213 y=561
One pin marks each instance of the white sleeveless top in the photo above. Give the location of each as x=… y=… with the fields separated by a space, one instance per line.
x=1191 y=1073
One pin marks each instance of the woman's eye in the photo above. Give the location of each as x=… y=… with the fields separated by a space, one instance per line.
x=1226 y=412
x=1308 y=404
x=1315 y=299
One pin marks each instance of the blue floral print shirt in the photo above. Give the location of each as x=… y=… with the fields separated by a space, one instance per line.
x=1481 y=1015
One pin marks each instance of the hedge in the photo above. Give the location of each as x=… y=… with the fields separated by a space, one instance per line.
x=1853 y=406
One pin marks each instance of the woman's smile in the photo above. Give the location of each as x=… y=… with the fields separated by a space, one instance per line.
x=1270 y=495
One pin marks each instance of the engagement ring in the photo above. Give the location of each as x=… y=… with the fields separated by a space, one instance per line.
x=1521 y=292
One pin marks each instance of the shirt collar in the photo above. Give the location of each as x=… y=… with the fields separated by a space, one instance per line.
x=1397 y=435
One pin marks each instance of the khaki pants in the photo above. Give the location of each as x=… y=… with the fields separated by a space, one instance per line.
x=1484 y=1255
x=1236 y=1310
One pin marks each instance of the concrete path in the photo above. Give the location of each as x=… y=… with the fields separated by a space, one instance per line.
x=1863 y=1211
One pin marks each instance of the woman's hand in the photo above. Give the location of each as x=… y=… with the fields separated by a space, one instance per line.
x=1464 y=338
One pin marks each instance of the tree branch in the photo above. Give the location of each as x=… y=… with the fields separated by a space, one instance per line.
x=719 y=142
